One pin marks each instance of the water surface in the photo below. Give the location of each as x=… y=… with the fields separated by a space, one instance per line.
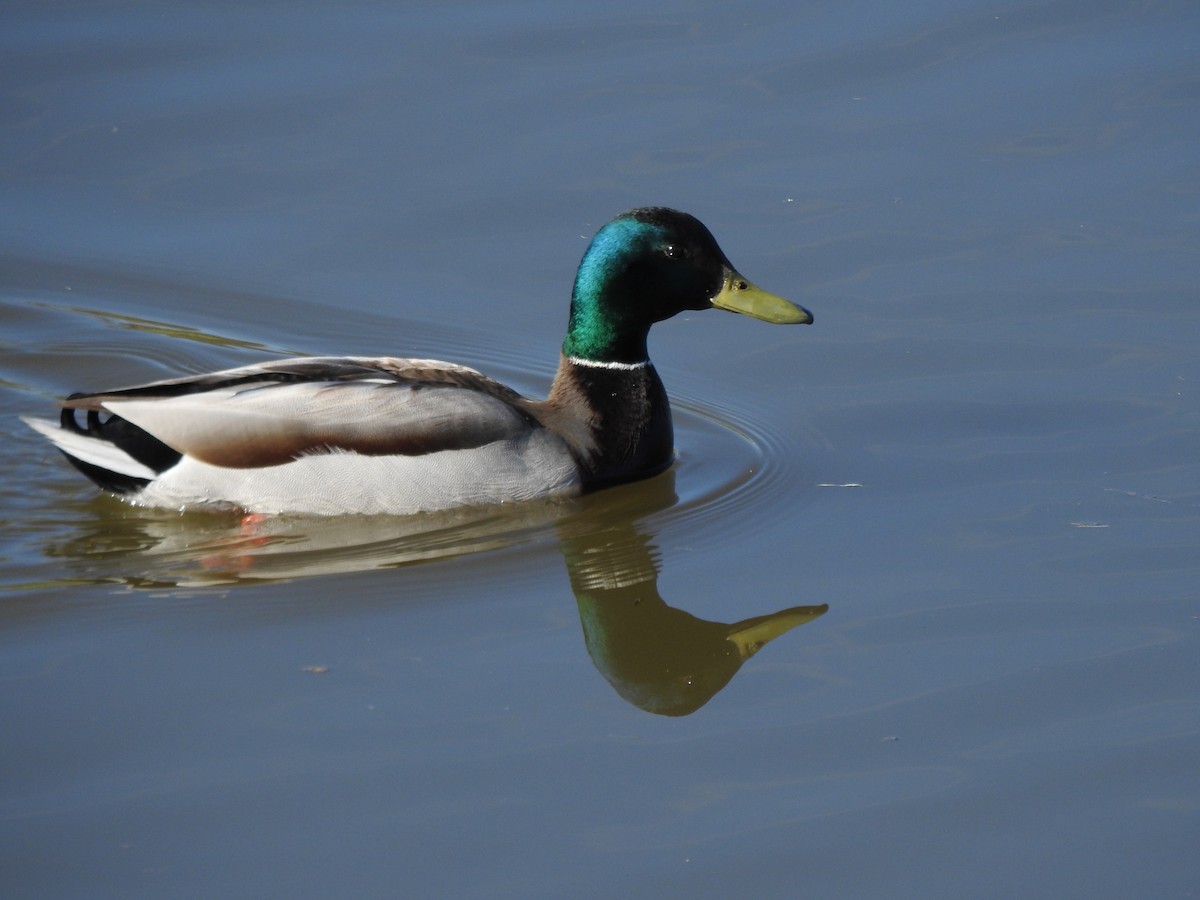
x=962 y=507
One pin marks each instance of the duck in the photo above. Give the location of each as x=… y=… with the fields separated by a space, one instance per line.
x=327 y=435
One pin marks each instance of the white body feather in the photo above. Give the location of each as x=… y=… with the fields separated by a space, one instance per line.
x=347 y=483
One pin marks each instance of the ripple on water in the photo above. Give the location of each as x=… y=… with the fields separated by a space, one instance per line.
x=735 y=468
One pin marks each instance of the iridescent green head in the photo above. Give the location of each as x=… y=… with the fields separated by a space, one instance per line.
x=646 y=265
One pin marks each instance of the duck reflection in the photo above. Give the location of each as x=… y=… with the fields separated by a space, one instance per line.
x=659 y=658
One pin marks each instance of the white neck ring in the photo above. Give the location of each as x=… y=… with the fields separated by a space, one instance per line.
x=620 y=366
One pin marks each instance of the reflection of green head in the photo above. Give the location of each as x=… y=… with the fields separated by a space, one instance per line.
x=660 y=659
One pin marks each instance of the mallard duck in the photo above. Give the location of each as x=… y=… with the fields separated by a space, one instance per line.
x=334 y=435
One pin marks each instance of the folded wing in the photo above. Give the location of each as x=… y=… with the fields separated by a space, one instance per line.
x=276 y=412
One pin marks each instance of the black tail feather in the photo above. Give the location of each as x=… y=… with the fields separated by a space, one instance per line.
x=113 y=482
x=139 y=444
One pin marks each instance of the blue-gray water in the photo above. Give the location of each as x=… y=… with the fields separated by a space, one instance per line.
x=983 y=458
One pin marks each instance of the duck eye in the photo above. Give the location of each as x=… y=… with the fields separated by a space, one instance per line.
x=670 y=251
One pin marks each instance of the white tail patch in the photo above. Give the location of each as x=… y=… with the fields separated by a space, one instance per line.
x=91 y=450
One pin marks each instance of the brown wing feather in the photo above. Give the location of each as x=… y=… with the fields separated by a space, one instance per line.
x=272 y=413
